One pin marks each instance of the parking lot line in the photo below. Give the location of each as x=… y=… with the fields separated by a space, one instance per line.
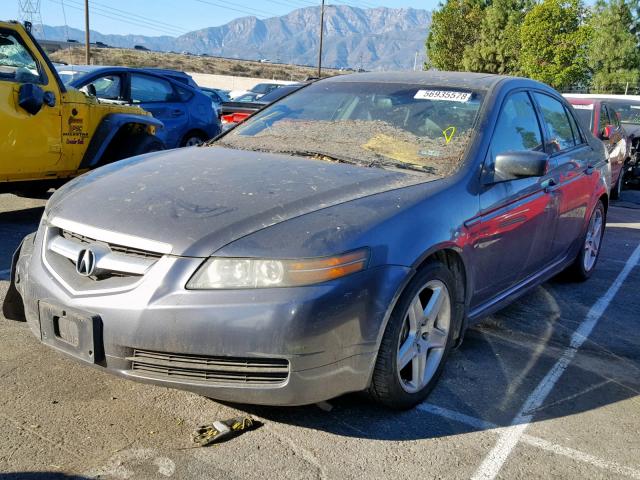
x=531 y=440
x=509 y=438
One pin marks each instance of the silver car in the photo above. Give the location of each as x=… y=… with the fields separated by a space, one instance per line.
x=341 y=239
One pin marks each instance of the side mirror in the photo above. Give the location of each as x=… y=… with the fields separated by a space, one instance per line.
x=607 y=132
x=31 y=98
x=513 y=165
x=90 y=90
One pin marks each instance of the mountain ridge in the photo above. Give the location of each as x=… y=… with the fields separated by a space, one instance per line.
x=375 y=39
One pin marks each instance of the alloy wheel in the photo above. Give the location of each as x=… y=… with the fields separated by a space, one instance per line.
x=423 y=336
x=193 y=142
x=593 y=240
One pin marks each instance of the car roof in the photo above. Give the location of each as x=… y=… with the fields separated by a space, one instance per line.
x=481 y=81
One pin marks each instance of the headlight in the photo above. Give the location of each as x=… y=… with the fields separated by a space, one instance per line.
x=218 y=272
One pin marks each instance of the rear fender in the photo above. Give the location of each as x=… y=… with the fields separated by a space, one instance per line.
x=107 y=130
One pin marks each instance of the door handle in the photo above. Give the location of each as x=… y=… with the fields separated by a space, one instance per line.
x=177 y=113
x=590 y=169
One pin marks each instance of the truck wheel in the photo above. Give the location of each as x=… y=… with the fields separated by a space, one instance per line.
x=145 y=144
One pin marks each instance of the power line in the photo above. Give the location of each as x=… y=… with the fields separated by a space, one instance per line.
x=246 y=11
x=150 y=22
x=131 y=22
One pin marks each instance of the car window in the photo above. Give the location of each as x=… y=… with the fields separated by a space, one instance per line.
x=604 y=118
x=150 y=89
x=517 y=128
x=629 y=111
x=184 y=93
x=577 y=134
x=108 y=87
x=584 y=112
x=16 y=62
x=557 y=123
x=613 y=116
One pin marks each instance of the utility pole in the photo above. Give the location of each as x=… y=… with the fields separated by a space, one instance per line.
x=87 y=48
x=321 y=37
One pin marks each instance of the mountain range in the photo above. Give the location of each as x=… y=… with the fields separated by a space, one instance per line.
x=375 y=39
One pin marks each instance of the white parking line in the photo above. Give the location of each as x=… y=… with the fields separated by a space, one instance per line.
x=531 y=440
x=511 y=435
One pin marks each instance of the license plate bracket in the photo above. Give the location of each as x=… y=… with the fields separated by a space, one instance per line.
x=74 y=332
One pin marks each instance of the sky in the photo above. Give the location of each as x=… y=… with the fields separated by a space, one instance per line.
x=174 y=17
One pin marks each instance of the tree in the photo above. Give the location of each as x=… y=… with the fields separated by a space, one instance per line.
x=454 y=26
x=614 y=52
x=555 y=42
x=498 y=47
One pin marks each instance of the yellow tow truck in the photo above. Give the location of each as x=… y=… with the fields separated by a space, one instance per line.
x=50 y=133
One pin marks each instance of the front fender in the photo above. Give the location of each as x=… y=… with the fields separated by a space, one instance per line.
x=107 y=130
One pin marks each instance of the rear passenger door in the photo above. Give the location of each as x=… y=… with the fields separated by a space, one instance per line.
x=573 y=182
x=157 y=96
x=512 y=236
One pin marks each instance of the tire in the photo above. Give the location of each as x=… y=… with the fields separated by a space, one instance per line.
x=192 y=140
x=617 y=188
x=585 y=263
x=145 y=144
x=410 y=333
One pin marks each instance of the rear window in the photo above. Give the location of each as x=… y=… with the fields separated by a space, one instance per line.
x=584 y=113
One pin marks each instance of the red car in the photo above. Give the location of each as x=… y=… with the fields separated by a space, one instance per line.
x=603 y=121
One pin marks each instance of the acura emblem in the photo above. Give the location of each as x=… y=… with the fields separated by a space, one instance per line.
x=86 y=263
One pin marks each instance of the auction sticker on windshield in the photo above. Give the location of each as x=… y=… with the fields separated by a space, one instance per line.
x=447 y=95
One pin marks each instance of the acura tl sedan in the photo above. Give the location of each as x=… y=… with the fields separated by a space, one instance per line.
x=342 y=239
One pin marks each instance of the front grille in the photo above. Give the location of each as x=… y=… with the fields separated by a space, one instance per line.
x=210 y=370
x=133 y=252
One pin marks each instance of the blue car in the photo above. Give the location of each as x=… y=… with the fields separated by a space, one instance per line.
x=188 y=116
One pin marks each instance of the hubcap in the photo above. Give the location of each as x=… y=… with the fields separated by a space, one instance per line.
x=192 y=142
x=592 y=242
x=423 y=336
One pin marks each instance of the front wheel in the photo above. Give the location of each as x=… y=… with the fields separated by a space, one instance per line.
x=585 y=262
x=417 y=339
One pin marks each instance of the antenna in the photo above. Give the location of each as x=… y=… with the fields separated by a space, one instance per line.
x=29 y=11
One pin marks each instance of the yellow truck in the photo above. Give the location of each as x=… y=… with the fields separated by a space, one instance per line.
x=50 y=133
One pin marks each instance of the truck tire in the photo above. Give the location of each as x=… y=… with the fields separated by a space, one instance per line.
x=141 y=145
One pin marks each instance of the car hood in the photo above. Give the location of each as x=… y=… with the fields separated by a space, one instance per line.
x=200 y=199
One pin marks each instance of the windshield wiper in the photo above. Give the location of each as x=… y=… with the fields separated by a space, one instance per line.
x=330 y=156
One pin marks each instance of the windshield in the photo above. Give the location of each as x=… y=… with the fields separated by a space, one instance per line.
x=629 y=111
x=372 y=124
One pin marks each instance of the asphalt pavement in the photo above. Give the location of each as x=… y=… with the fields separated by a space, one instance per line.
x=546 y=388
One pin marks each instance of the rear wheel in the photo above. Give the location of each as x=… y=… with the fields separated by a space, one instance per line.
x=587 y=258
x=417 y=340
x=192 y=140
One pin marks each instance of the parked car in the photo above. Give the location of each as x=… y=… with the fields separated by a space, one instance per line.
x=628 y=109
x=52 y=133
x=603 y=121
x=186 y=112
x=217 y=96
x=233 y=112
x=258 y=90
x=341 y=239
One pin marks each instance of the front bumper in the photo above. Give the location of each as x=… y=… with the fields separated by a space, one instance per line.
x=328 y=334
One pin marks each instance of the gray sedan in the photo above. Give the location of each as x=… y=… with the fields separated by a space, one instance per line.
x=340 y=240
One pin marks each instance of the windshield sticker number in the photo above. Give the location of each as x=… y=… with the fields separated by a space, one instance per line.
x=446 y=95
x=583 y=107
